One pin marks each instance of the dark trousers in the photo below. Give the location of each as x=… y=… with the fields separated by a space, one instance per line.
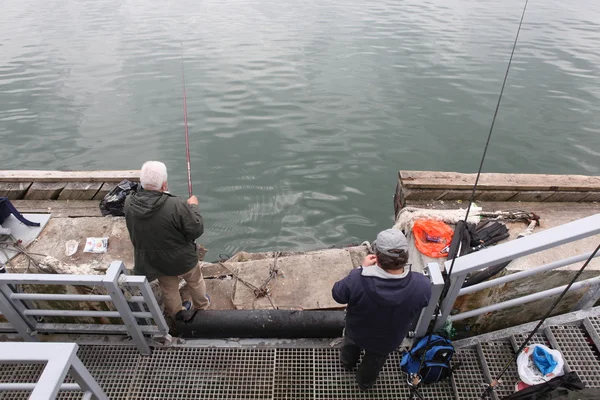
x=369 y=368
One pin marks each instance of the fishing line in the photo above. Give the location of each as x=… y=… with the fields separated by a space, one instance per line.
x=487 y=143
x=187 y=136
x=415 y=381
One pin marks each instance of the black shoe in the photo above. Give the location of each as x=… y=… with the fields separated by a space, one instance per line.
x=348 y=367
x=365 y=388
x=185 y=315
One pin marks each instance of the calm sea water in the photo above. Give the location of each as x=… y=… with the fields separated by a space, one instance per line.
x=300 y=112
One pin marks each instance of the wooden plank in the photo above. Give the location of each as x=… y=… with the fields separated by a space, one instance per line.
x=60 y=209
x=489 y=181
x=106 y=187
x=568 y=196
x=54 y=204
x=14 y=190
x=495 y=195
x=44 y=190
x=592 y=197
x=68 y=176
x=80 y=190
x=532 y=196
x=418 y=194
x=480 y=195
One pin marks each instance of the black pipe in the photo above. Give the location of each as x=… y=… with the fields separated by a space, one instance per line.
x=263 y=324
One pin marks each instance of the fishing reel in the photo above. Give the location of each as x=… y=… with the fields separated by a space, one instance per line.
x=414 y=381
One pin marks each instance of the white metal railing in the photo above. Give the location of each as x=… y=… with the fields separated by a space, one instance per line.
x=60 y=359
x=537 y=242
x=140 y=313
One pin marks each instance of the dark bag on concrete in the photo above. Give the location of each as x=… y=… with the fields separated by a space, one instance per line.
x=469 y=238
x=114 y=201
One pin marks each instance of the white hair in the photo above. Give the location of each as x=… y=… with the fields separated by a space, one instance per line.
x=153 y=175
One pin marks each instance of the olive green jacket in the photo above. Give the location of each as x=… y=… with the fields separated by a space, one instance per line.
x=162 y=228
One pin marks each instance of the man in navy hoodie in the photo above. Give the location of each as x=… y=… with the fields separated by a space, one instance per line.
x=384 y=297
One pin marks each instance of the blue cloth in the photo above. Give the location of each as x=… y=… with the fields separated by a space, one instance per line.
x=380 y=311
x=543 y=360
x=6 y=208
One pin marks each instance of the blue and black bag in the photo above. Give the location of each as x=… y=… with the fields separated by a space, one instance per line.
x=436 y=356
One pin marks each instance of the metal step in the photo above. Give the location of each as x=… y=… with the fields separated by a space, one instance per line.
x=578 y=351
x=496 y=355
x=595 y=321
x=592 y=327
x=468 y=377
x=538 y=338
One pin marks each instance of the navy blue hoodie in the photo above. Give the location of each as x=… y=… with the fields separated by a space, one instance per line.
x=381 y=307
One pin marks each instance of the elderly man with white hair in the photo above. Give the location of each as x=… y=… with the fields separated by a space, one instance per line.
x=163 y=229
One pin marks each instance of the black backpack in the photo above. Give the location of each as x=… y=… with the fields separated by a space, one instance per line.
x=469 y=238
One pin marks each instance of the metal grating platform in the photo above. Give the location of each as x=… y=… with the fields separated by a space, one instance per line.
x=226 y=373
x=576 y=347
x=469 y=377
x=205 y=373
x=281 y=373
x=294 y=374
x=497 y=354
x=18 y=373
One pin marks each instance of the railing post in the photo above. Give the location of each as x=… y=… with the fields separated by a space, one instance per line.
x=154 y=308
x=86 y=381
x=591 y=297
x=437 y=285
x=456 y=281
x=111 y=283
x=13 y=312
x=135 y=307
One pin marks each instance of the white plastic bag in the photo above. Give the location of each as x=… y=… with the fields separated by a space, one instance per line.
x=96 y=245
x=71 y=247
x=530 y=374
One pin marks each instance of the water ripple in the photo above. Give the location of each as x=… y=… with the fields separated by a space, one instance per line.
x=300 y=113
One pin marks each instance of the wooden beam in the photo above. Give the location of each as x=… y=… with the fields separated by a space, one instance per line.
x=60 y=209
x=80 y=191
x=68 y=176
x=44 y=190
x=14 y=190
x=431 y=180
x=104 y=190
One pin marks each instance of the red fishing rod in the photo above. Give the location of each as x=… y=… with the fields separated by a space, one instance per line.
x=187 y=135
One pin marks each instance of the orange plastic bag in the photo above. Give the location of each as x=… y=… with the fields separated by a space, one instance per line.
x=432 y=237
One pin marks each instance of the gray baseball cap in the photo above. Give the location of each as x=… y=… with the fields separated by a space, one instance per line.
x=390 y=239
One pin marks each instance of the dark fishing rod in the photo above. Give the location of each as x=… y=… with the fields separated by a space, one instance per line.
x=415 y=381
x=187 y=135
x=487 y=143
